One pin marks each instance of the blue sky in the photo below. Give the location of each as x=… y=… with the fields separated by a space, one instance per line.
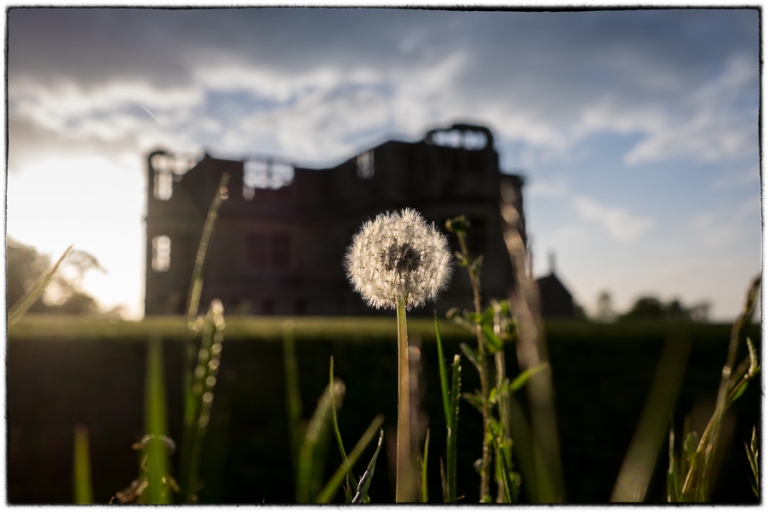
x=637 y=130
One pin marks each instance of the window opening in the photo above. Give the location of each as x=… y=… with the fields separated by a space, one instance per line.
x=265 y=173
x=365 y=165
x=161 y=253
x=467 y=139
x=163 y=185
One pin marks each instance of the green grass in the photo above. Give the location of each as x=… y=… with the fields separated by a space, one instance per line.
x=351 y=329
x=82 y=470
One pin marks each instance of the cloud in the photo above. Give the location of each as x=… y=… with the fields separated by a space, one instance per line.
x=304 y=79
x=717 y=123
x=553 y=189
x=620 y=223
x=737 y=179
x=735 y=226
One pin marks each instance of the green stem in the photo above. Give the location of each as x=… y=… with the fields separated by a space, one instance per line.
x=474 y=277
x=404 y=481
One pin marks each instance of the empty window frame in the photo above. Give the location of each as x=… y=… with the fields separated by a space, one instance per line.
x=265 y=173
x=467 y=139
x=365 y=165
x=163 y=185
x=161 y=253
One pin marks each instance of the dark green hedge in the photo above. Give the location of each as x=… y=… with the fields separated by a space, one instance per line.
x=61 y=372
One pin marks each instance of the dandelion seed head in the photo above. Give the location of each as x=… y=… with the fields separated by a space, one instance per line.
x=398 y=256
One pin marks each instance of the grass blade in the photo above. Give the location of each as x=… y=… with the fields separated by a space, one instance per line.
x=697 y=481
x=193 y=303
x=34 y=293
x=637 y=469
x=83 y=485
x=292 y=395
x=156 y=425
x=672 y=483
x=329 y=490
x=538 y=485
x=508 y=479
x=452 y=434
x=521 y=379
x=424 y=495
x=752 y=456
x=209 y=358
x=524 y=303
x=337 y=433
x=443 y=376
x=313 y=449
x=443 y=481
x=196 y=287
x=365 y=481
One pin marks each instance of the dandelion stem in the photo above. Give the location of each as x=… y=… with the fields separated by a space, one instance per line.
x=404 y=481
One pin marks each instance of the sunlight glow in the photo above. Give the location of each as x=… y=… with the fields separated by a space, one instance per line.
x=93 y=204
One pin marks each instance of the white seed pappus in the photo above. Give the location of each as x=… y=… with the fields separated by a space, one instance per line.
x=398 y=256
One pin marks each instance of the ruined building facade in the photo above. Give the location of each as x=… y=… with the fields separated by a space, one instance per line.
x=280 y=239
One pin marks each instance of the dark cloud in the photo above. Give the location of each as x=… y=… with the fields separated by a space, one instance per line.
x=543 y=77
x=98 y=44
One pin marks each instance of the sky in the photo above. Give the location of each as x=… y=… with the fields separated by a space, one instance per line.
x=636 y=130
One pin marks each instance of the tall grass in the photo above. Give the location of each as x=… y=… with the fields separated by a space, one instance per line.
x=198 y=395
x=690 y=473
x=547 y=480
x=509 y=436
x=310 y=444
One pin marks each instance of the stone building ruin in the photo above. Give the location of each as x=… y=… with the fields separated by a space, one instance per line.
x=281 y=236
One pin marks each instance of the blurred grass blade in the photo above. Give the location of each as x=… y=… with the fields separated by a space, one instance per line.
x=196 y=287
x=313 y=449
x=673 y=474
x=537 y=487
x=193 y=304
x=443 y=376
x=424 y=495
x=337 y=433
x=752 y=456
x=453 y=431
x=637 y=469
x=209 y=359
x=524 y=304
x=365 y=481
x=521 y=379
x=33 y=294
x=746 y=372
x=292 y=395
x=509 y=479
x=443 y=481
x=697 y=482
x=83 y=485
x=156 y=421
x=329 y=490
x=470 y=354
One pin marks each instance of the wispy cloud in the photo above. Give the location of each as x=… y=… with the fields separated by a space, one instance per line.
x=392 y=73
x=718 y=121
x=619 y=222
x=728 y=227
x=552 y=189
